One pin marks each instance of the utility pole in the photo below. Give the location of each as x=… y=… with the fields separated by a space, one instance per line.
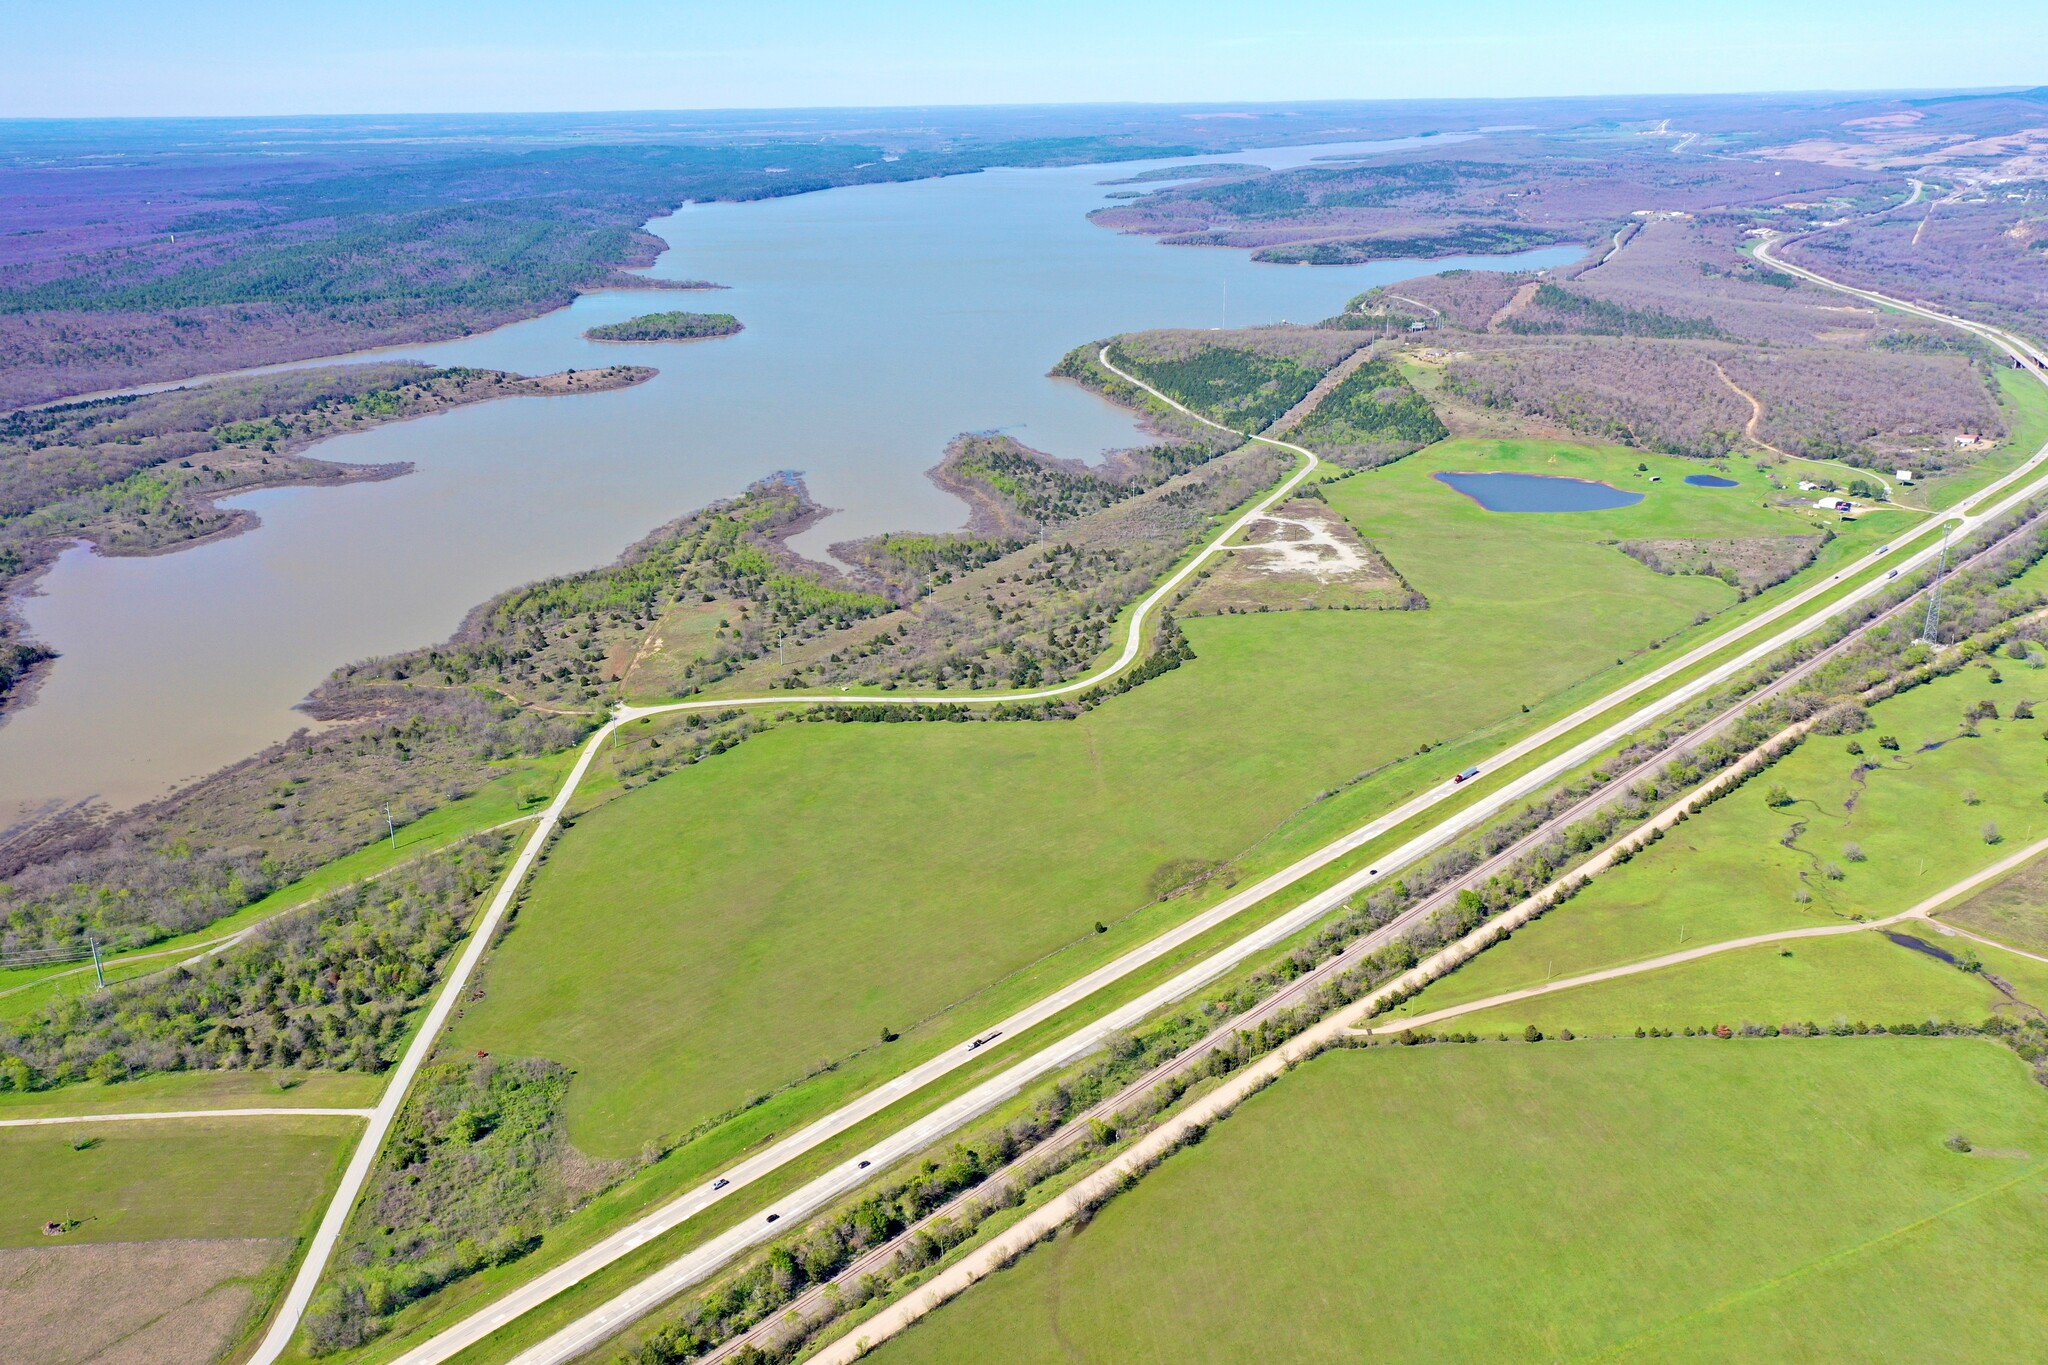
x=1933 y=623
x=99 y=974
x=391 y=824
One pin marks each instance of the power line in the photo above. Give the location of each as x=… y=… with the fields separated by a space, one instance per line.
x=1929 y=632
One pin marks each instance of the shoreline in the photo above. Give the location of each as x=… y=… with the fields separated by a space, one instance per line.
x=241 y=520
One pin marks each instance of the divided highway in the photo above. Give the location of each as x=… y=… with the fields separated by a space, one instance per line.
x=2016 y=488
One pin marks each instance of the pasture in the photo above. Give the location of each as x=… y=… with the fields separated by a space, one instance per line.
x=1668 y=1200
x=1861 y=835
x=723 y=931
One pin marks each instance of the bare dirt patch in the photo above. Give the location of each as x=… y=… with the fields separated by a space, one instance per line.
x=1300 y=557
x=182 y=1302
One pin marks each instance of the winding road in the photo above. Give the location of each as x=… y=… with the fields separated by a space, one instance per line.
x=2005 y=494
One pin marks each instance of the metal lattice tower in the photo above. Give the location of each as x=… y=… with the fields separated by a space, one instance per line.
x=1927 y=631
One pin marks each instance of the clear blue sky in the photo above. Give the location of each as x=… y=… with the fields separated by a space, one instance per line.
x=141 y=57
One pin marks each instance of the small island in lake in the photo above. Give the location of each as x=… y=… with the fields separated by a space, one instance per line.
x=667 y=327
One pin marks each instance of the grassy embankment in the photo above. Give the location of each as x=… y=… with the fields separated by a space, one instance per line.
x=1728 y=873
x=1753 y=1199
x=714 y=934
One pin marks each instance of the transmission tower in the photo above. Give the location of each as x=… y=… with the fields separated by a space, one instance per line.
x=1928 y=631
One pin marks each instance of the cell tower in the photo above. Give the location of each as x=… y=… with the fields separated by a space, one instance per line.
x=1928 y=631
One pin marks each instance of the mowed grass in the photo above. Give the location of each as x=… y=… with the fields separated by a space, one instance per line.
x=1667 y=1200
x=199 y=1090
x=142 y=1181
x=1727 y=873
x=718 y=933
x=1862 y=977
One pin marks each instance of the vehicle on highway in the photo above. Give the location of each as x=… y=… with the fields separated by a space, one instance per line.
x=1465 y=776
x=773 y=1216
x=720 y=1183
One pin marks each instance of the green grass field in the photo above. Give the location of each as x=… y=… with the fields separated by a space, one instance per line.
x=2015 y=911
x=1861 y=977
x=1726 y=873
x=716 y=934
x=142 y=1181
x=1668 y=1200
x=199 y=1090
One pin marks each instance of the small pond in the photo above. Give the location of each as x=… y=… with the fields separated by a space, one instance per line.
x=1539 y=493
x=1710 y=481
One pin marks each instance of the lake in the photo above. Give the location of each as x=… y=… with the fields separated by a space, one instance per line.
x=1710 y=481
x=881 y=321
x=1539 y=493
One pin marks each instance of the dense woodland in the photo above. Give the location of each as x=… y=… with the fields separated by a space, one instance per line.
x=1983 y=253
x=1371 y=417
x=328 y=986
x=370 y=247
x=667 y=327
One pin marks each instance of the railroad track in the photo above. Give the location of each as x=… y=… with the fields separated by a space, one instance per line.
x=810 y=1305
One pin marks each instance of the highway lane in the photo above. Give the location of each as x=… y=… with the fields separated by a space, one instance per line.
x=1241 y=1085
x=704 y=1260
x=693 y=1266
x=321 y=1249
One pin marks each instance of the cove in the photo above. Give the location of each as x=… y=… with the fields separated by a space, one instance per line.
x=881 y=321
x=1539 y=493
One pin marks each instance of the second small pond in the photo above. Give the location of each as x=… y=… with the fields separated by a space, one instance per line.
x=1538 y=492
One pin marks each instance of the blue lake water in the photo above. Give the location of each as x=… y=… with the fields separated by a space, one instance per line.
x=1539 y=493
x=1710 y=481
x=880 y=322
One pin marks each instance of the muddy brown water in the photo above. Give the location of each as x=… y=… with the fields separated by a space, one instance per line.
x=880 y=322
